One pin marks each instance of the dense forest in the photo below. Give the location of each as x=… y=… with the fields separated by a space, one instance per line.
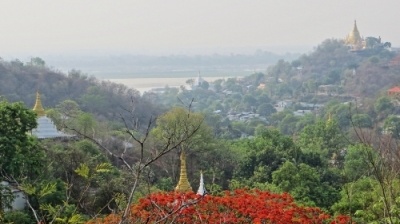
x=313 y=140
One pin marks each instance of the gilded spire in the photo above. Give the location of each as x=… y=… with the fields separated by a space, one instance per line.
x=38 y=108
x=329 y=121
x=183 y=184
x=354 y=37
x=355 y=29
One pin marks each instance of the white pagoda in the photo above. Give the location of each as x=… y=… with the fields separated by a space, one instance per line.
x=46 y=128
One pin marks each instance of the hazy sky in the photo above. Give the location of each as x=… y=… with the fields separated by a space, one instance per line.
x=37 y=27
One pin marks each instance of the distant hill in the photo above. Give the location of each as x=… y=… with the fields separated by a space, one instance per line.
x=359 y=74
x=19 y=82
x=364 y=74
x=141 y=66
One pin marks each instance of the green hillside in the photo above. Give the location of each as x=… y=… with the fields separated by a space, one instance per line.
x=322 y=128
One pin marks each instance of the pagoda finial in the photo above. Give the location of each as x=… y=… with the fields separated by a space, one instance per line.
x=183 y=184
x=202 y=190
x=355 y=29
x=38 y=108
x=329 y=121
x=354 y=37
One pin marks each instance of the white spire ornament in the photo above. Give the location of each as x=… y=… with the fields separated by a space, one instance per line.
x=202 y=190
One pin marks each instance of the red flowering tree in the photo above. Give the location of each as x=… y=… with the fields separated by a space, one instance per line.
x=240 y=206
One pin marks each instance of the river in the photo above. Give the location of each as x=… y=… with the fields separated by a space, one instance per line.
x=146 y=84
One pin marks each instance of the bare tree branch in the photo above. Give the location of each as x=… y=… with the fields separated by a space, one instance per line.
x=173 y=141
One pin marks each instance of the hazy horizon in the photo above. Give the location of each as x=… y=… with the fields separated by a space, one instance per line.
x=48 y=28
x=279 y=50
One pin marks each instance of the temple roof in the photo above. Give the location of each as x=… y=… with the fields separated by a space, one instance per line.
x=38 y=108
x=395 y=89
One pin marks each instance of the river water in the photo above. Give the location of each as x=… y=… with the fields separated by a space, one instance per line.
x=146 y=84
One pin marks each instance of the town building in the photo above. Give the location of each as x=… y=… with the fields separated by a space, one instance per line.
x=394 y=92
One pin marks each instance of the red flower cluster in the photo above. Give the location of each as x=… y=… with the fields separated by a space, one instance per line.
x=240 y=206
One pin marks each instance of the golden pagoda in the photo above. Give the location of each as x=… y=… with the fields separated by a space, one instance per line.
x=354 y=39
x=183 y=184
x=38 y=108
x=329 y=121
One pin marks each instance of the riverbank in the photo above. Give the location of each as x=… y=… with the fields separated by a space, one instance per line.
x=146 y=84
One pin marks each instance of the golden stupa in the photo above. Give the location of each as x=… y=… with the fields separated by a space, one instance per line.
x=354 y=39
x=183 y=184
x=38 y=108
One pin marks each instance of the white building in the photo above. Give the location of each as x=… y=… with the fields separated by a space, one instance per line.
x=19 y=201
x=46 y=128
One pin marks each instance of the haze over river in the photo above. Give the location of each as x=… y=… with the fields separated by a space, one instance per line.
x=146 y=84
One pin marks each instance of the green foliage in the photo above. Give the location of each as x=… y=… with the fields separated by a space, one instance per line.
x=47 y=189
x=266 y=109
x=372 y=190
x=165 y=184
x=83 y=171
x=181 y=127
x=304 y=184
x=120 y=201
x=102 y=98
x=304 y=121
x=6 y=198
x=264 y=154
x=276 y=118
x=364 y=201
x=204 y=85
x=392 y=126
x=383 y=105
x=288 y=124
x=20 y=155
x=224 y=163
x=103 y=168
x=36 y=61
x=41 y=190
x=362 y=121
x=63 y=214
x=76 y=179
x=95 y=99
x=17 y=217
x=189 y=132
x=323 y=138
x=342 y=114
x=77 y=168
x=68 y=108
x=356 y=163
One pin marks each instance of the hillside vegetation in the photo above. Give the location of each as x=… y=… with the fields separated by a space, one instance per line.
x=315 y=137
x=21 y=81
